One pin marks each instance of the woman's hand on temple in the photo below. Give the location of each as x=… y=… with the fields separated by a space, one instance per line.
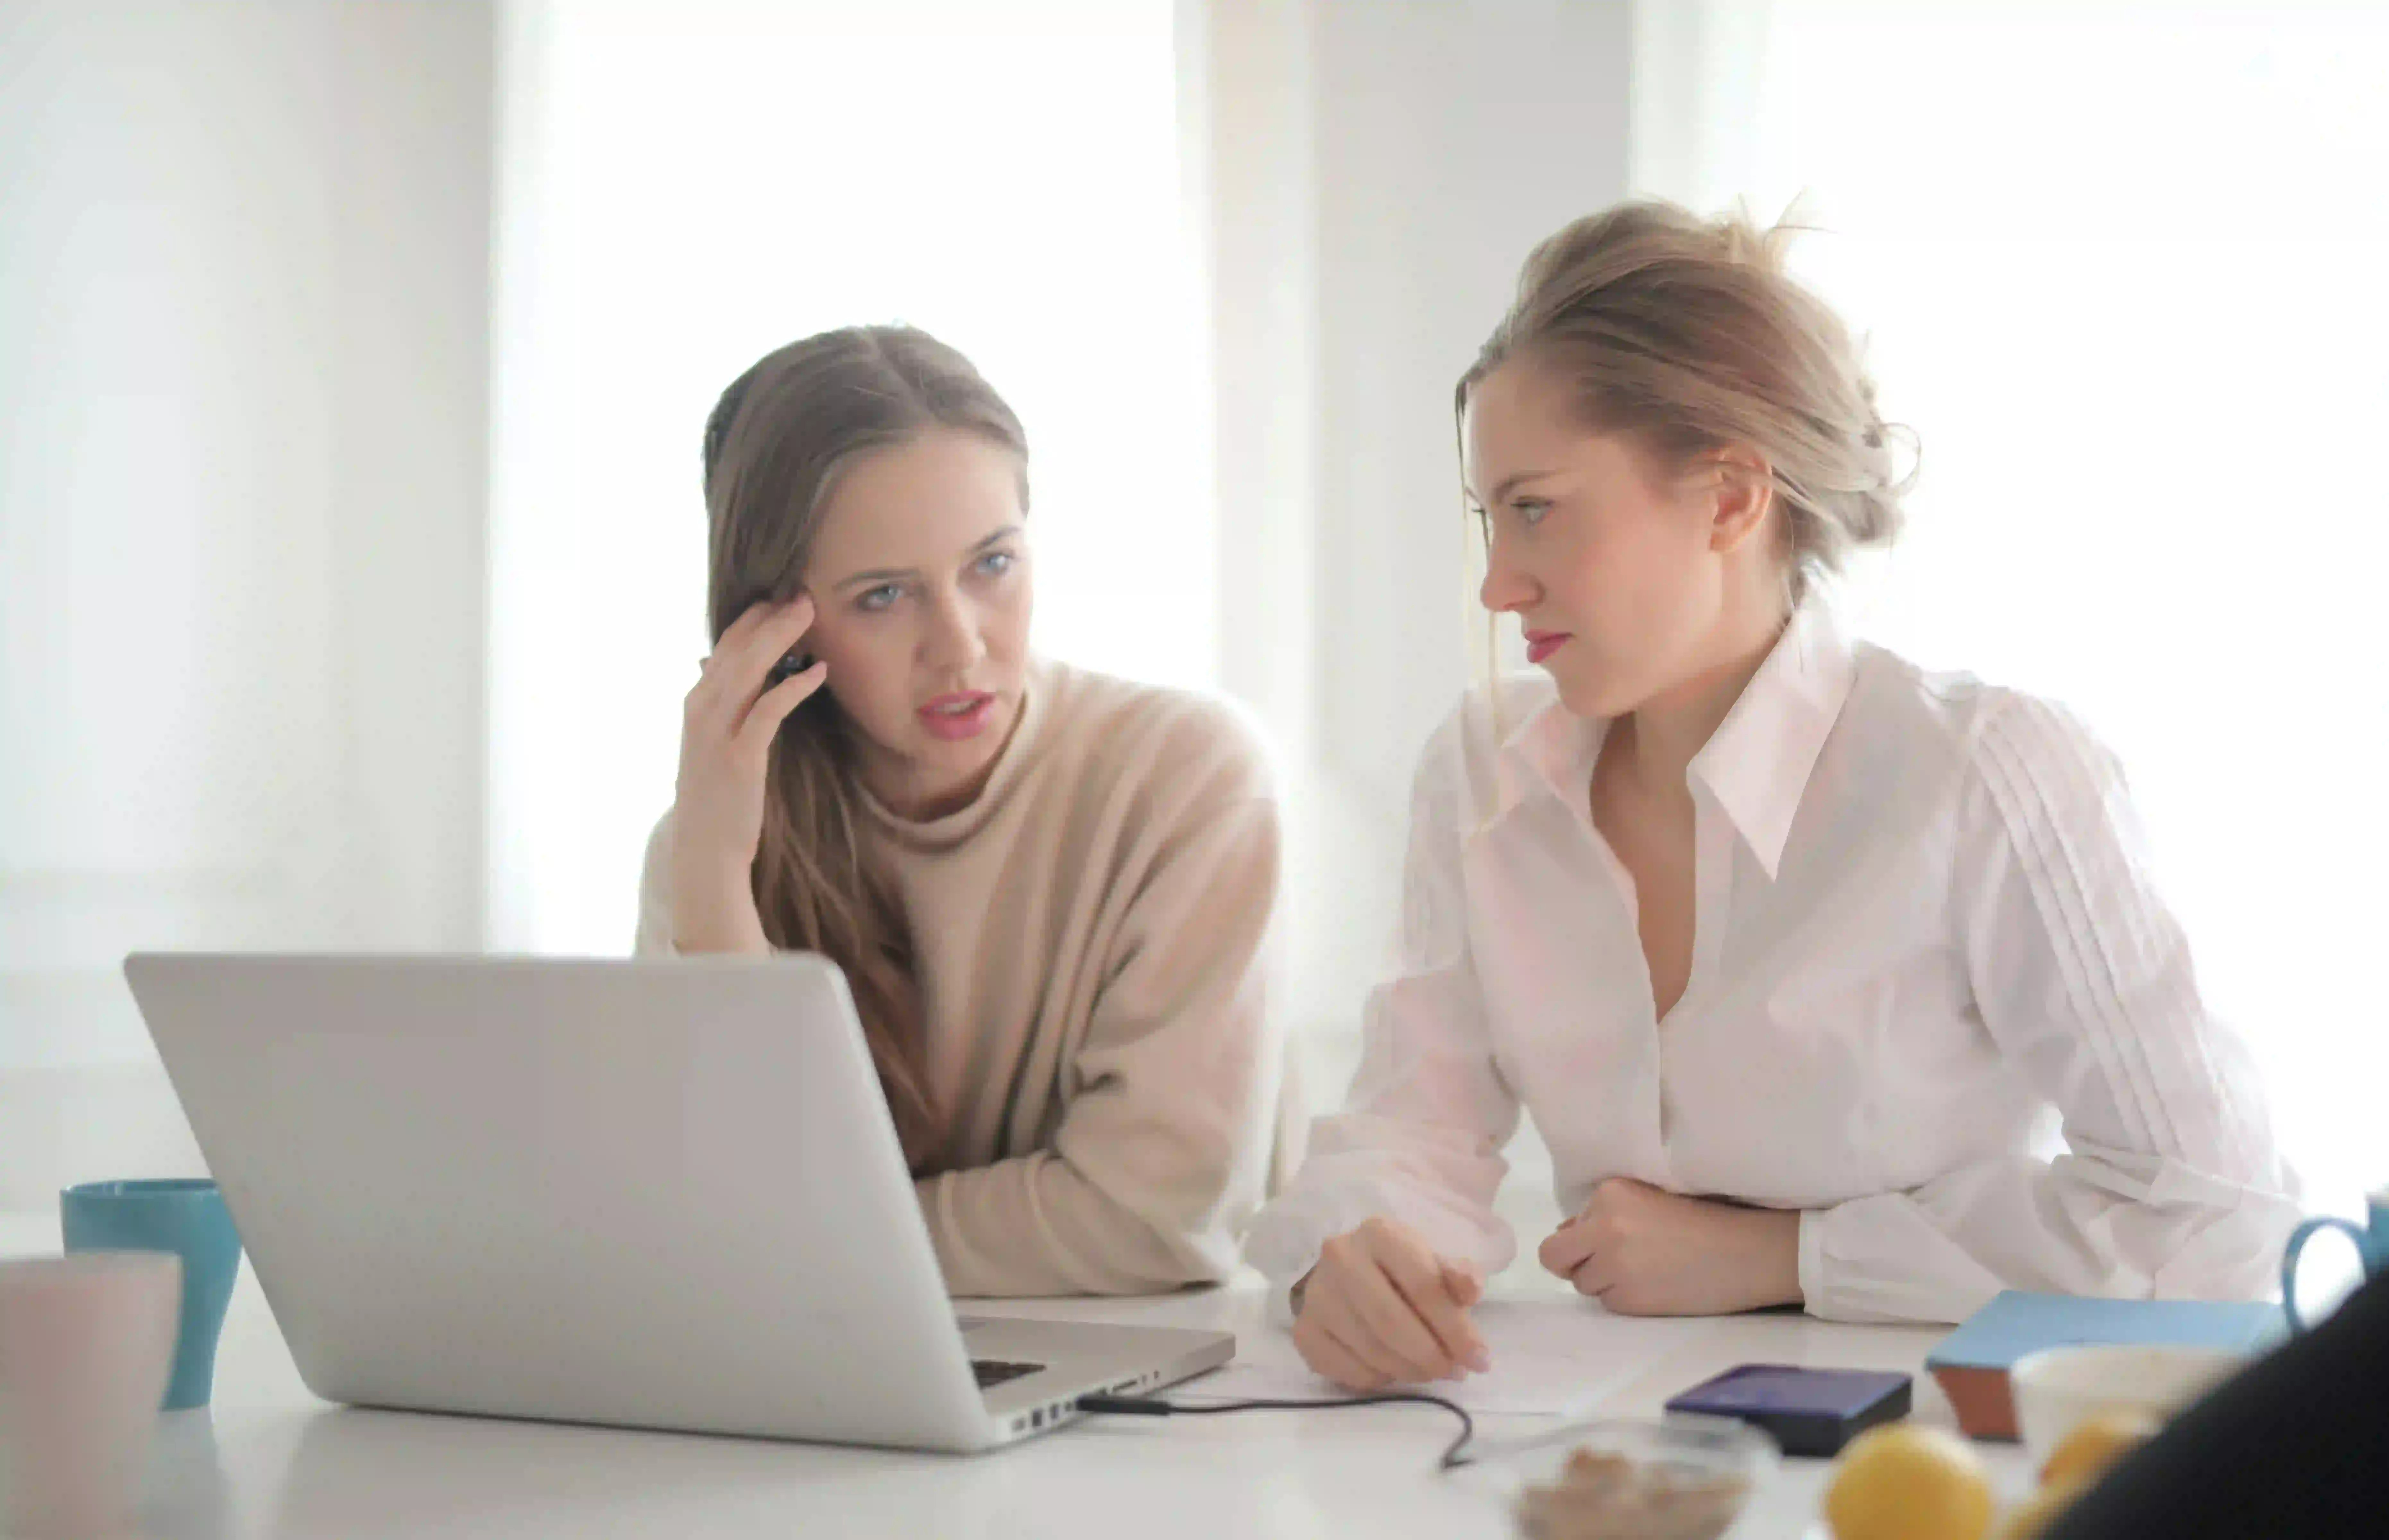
x=1381 y=1308
x=1645 y=1251
x=727 y=724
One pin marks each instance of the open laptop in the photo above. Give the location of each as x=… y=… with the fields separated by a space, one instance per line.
x=653 y=1193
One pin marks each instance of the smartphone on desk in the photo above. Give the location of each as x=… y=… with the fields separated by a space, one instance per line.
x=1808 y=1411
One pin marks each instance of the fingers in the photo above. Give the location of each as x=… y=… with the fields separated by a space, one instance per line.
x=1419 y=1278
x=1360 y=1305
x=1406 y=1321
x=772 y=707
x=1334 y=1360
x=1595 y=1277
x=780 y=629
x=1381 y=1305
x=1568 y=1248
x=752 y=621
x=1370 y=1319
x=733 y=676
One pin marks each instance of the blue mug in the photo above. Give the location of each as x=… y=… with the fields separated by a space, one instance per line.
x=2371 y=1247
x=187 y=1217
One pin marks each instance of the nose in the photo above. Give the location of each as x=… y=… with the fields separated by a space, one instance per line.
x=953 y=644
x=1506 y=587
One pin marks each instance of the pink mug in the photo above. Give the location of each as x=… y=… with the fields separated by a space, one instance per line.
x=86 y=1343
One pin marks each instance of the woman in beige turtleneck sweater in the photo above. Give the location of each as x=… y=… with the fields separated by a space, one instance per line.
x=1050 y=890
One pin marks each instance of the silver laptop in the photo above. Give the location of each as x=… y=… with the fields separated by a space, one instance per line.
x=653 y=1193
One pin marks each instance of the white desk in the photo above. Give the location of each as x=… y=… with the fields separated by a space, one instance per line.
x=269 y=1459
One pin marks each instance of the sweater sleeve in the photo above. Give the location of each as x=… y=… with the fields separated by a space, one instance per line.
x=653 y=937
x=2170 y=1186
x=1163 y=1151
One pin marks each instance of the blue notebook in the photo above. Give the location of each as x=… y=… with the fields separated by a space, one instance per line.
x=1971 y=1362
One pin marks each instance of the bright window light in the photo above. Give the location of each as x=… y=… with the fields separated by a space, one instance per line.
x=685 y=186
x=2121 y=268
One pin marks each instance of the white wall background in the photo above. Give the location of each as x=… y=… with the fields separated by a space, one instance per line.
x=252 y=579
x=1372 y=176
x=688 y=186
x=242 y=290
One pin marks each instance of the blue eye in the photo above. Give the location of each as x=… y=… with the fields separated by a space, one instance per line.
x=1530 y=509
x=995 y=564
x=872 y=600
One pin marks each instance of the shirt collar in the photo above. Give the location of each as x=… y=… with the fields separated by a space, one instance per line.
x=1552 y=748
x=1757 y=764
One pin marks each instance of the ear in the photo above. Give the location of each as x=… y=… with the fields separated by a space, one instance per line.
x=1743 y=494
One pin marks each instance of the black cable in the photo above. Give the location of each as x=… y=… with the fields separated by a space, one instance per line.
x=1144 y=1406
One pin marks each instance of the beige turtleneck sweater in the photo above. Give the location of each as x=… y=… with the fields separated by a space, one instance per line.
x=1090 y=938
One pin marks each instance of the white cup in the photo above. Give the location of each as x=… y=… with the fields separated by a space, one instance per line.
x=2059 y=1389
x=86 y=1343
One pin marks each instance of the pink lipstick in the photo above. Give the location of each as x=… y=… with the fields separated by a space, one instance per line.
x=958 y=716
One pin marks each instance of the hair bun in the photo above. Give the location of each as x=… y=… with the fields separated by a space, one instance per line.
x=1692 y=334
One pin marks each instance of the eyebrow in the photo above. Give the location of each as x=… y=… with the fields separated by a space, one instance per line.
x=1512 y=483
x=891 y=573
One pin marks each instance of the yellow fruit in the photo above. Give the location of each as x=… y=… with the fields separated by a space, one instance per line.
x=1907 y=1483
x=2099 y=1443
x=2029 y=1518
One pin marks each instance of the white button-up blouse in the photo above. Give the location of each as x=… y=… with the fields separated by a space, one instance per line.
x=1935 y=1004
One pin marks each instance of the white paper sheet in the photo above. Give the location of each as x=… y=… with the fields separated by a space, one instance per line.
x=1550 y=1356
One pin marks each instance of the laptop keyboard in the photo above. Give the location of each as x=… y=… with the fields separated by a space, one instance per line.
x=992 y=1372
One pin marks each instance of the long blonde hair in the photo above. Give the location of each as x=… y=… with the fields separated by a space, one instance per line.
x=775 y=446
x=1688 y=335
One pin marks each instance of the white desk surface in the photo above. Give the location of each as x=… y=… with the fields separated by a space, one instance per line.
x=269 y=1459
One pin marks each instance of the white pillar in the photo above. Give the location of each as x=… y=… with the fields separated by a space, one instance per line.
x=1372 y=175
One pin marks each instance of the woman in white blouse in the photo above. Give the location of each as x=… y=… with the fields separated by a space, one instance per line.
x=1826 y=980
